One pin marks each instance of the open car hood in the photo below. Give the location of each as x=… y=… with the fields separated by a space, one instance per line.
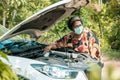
x=40 y=22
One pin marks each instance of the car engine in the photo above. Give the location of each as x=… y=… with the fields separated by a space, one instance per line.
x=60 y=56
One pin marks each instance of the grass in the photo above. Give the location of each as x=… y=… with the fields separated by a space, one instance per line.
x=111 y=53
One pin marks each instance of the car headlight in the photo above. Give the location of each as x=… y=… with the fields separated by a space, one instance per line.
x=59 y=72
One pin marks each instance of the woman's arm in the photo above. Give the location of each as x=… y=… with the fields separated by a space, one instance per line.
x=59 y=44
x=94 y=46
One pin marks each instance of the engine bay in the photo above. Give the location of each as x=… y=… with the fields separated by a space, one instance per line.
x=60 y=56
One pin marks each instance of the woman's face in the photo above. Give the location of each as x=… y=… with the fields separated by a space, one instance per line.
x=77 y=27
x=76 y=24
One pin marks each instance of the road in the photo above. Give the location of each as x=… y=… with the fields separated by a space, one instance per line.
x=111 y=69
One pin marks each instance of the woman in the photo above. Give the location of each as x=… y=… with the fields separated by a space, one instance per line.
x=80 y=39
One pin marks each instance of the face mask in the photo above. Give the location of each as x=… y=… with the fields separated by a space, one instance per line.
x=78 y=30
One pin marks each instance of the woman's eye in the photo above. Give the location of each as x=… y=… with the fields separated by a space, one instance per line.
x=77 y=25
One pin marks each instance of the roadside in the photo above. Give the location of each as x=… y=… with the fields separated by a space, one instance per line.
x=111 y=69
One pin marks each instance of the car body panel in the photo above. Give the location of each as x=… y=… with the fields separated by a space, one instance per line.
x=22 y=67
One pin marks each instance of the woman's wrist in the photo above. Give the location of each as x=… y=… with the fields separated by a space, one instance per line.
x=70 y=45
x=93 y=53
x=94 y=50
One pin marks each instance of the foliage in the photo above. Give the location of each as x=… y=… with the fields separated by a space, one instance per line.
x=14 y=11
x=2 y=30
x=54 y=1
x=105 y=24
x=114 y=15
x=102 y=20
x=112 y=53
x=5 y=70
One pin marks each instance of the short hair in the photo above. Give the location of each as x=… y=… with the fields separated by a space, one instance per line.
x=72 y=20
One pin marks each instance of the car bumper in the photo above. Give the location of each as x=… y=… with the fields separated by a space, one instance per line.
x=22 y=67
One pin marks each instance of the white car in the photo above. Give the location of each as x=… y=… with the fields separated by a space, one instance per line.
x=27 y=57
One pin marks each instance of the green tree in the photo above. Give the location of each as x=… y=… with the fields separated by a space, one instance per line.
x=14 y=11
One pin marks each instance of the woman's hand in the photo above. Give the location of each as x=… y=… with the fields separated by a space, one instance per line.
x=70 y=45
x=47 y=48
x=94 y=54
